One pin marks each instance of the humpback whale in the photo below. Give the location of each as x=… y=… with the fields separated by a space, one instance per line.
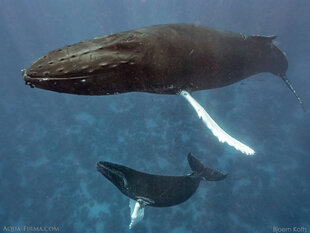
x=156 y=190
x=160 y=59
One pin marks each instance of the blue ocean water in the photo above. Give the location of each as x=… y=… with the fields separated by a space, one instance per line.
x=50 y=142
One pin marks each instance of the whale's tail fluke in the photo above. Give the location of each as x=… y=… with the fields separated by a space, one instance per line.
x=288 y=83
x=205 y=172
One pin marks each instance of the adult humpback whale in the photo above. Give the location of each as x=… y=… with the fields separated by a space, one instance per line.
x=161 y=59
x=155 y=190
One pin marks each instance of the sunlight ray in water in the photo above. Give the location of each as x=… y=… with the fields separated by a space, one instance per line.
x=215 y=128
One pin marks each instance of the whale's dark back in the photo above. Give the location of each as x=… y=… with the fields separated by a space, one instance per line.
x=161 y=59
x=159 y=191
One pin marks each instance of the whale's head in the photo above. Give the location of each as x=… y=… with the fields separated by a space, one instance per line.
x=99 y=66
x=114 y=173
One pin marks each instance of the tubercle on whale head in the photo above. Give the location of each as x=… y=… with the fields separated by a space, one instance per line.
x=27 y=82
x=86 y=58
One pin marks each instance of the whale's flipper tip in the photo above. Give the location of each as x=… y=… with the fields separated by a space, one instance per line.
x=290 y=86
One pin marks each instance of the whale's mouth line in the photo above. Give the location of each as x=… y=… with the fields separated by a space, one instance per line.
x=102 y=167
x=49 y=82
x=107 y=168
x=106 y=171
x=28 y=78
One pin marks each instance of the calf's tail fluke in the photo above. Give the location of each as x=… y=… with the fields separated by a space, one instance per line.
x=288 y=83
x=204 y=172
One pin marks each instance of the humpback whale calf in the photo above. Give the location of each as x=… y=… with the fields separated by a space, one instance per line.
x=156 y=190
x=161 y=59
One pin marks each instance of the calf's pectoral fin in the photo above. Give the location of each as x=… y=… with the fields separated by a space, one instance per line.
x=136 y=212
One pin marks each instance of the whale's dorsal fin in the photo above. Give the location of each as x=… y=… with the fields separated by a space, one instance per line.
x=273 y=37
x=263 y=38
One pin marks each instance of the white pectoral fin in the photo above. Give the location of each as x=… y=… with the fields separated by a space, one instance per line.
x=136 y=212
x=215 y=128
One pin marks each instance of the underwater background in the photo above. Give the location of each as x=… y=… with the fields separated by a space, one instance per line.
x=50 y=142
